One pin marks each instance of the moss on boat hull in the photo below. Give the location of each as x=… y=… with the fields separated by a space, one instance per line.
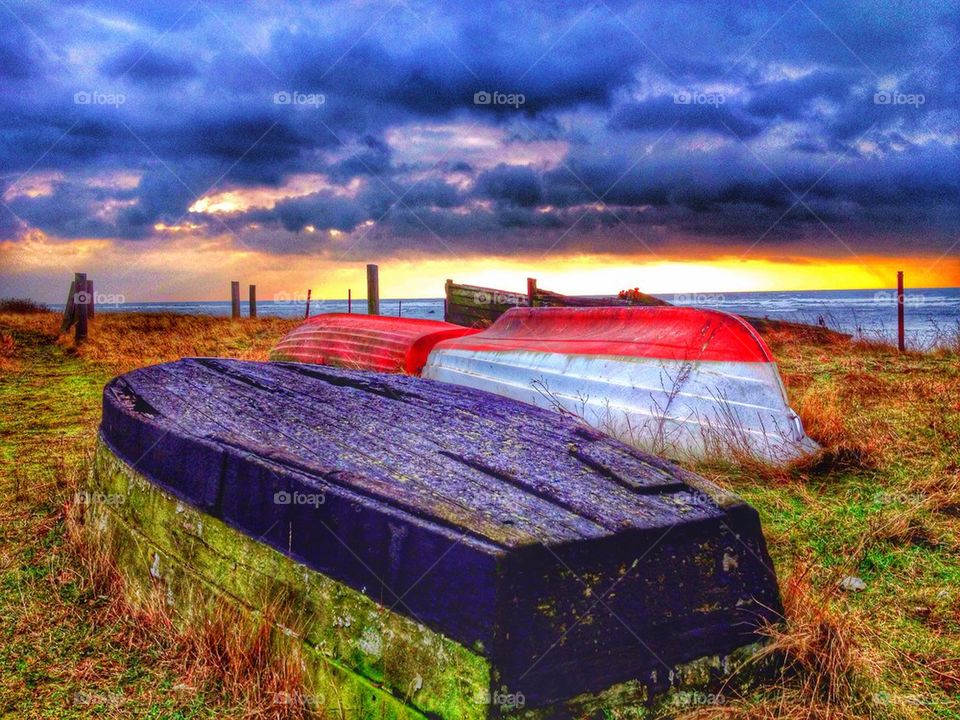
x=363 y=659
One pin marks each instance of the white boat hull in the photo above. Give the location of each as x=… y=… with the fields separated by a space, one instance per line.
x=683 y=409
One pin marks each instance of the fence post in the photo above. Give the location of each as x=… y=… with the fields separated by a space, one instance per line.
x=306 y=315
x=399 y=308
x=68 y=308
x=373 y=290
x=80 y=306
x=531 y=291
x=235 y=299
x=253 y=301
x=901 y=341
x=349 y=301
x=91 y=310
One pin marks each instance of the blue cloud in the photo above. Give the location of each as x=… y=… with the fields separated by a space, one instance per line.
x=681 y=120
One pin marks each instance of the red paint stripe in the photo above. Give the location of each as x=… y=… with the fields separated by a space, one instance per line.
x=367 y=342
x=668 y=333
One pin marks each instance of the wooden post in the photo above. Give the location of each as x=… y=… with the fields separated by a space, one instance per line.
x=373 y=290
x=307 y=314
x=235 y=299
x=253 y=301
x=349 y=301
x=80 y=306
x=399 y=308
x=68 y=308
x=901 y=344
x=91 y=311
x=446 y=297
x=531 y=291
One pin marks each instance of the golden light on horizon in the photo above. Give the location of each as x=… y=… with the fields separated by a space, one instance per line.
x=187 y=267
x=598 y=275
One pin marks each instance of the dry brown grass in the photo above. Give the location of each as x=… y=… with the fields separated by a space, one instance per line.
x=889 y=423
x=125 y=341
x=128 y=341
x=825 y=668
x=244 y=661
x=22 y=306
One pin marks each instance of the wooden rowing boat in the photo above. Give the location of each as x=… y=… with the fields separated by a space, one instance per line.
x=444 y=544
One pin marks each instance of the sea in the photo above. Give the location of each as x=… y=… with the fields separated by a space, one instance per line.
x=931 y=316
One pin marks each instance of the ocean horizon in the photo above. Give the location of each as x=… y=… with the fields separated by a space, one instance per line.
x=930 y=315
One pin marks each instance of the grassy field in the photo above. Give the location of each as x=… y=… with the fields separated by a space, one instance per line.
x=882 y=504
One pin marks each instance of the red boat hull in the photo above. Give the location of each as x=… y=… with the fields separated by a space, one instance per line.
x=663 y=333
x=366 y=342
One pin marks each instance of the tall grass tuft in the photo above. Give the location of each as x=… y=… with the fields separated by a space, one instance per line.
x=22 y=306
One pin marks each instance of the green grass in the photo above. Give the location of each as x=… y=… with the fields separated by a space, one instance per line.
x=886 y=509
x=62 y=653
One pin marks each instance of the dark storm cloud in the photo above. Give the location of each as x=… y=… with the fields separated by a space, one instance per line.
x=511 y=184
x=683 y=119
x=686 y=112
x=142 y=63
x=791 y=98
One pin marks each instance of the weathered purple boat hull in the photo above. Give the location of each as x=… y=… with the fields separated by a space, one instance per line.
x=500 y=525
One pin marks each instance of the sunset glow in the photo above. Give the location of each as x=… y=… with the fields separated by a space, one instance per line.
x=171 y=151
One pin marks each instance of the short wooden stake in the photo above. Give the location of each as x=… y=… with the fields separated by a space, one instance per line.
x=307 y=314
x=253 y=301
x=68 y=308
x=901 y=340
x=235 y=299
x=373 y=290
x=349 y=301
x=80 y=307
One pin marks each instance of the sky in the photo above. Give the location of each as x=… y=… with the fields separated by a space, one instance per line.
x=169 y=148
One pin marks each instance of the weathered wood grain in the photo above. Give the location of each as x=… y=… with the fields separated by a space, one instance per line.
x=499 y=525
x=475 y=306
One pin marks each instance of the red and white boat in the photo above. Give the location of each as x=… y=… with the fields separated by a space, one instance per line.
x=366 y=342
x=681 y=382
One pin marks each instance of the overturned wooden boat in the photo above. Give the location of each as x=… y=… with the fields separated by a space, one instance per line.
x=366 y=342
x=453 y=554
x=683 y=382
